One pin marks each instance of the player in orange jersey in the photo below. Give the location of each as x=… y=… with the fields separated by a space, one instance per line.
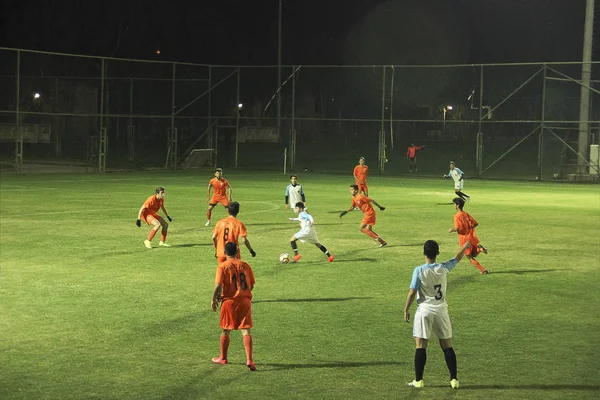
x=230 y=229
x=149 y=213
x=411 y=155
x=234 y=282
x=361 y=172
x=221 y=186
x=464 y=225
x=364 y=203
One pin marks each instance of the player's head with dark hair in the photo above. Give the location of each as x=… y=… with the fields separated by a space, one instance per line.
x=293 y=176
x=361 y=159
x=160 y=189
x=230 y=249
x=233 y=208
x=300 y=205
x=219 y=170
x=459 y=202
x=431 y=249
x=355 y=187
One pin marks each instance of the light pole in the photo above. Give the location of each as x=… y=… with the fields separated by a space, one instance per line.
x=446 y=109
x=279 y=71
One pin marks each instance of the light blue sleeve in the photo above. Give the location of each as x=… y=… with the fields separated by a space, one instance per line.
x=287 y=190
x=459 y=171
x=450 y=264
x=415 y=283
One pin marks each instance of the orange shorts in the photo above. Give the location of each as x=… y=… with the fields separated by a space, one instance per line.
x=219 y=199
x=236 y=314
x=151 y=217
x=473 y=250
x=368 y=219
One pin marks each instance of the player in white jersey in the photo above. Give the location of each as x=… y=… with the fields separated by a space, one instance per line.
x=458 y=176
x=294 y=192
x=428 y=285
x=307 y=232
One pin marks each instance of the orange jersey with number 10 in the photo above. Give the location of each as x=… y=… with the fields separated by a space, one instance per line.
x=228 y=229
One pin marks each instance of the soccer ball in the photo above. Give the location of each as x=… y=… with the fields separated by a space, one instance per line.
x=556 y=175
x=284 y=258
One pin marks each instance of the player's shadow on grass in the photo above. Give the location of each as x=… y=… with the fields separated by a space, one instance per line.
x=192 y=245
x=363 y=259
x=188 y=230
x=530 y=387
x=525 y=271
x=293 y=224
x=444 y=204
x=316 y=299
x=334 y=364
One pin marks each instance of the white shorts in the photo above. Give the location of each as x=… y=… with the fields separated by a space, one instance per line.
x=458 y=185
x=308 y=237
x=432 y=320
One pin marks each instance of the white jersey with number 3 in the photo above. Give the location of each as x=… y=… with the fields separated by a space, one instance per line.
x=429 y=280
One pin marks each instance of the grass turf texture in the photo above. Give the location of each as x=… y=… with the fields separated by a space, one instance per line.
x=86 y=311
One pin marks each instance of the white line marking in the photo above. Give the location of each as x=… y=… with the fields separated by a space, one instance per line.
x=95 y=210
x=275 y=207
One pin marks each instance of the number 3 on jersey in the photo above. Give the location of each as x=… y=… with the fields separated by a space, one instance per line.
x=438 y=290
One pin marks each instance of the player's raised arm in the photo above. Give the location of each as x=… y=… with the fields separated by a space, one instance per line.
x=461 y=252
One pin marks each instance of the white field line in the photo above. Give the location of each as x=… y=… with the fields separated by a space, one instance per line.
x=102 y=210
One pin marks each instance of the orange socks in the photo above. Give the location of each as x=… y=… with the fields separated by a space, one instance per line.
x=224 y=346
x=248 y=346
x=163 y=235
x=477 y=265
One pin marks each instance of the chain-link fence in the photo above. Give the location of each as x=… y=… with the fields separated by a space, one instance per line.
x=505 y=121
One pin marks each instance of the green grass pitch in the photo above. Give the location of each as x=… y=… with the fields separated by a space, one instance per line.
x=87 y=312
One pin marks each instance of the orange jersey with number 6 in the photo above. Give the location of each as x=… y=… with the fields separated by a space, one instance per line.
x=229 y=229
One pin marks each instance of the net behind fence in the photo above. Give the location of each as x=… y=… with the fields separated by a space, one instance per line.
x=497 y=121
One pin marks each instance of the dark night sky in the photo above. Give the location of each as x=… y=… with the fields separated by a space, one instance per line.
x=314 y=32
